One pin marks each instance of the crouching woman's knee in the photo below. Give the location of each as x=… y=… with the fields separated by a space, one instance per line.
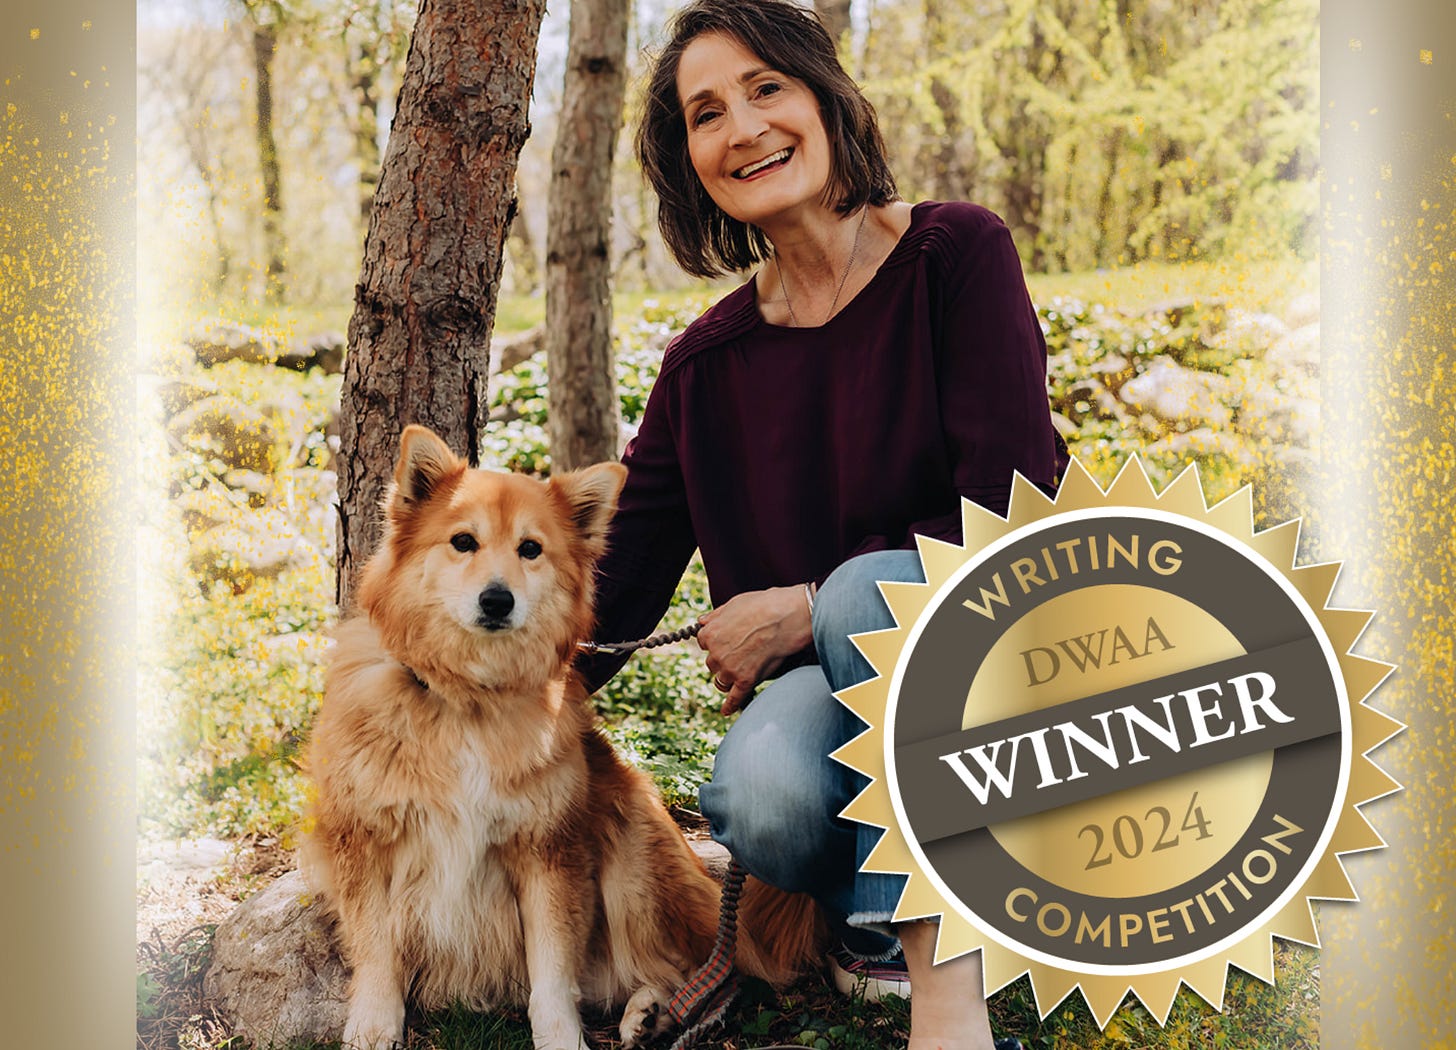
x=774 y=795
x=850 y=603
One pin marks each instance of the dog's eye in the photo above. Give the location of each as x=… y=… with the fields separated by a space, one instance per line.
x=529 y=549
x=464 y=542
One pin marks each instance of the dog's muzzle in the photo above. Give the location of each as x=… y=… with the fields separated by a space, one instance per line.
x=496 y=604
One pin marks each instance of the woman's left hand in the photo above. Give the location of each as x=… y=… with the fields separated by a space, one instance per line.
x=749 y=637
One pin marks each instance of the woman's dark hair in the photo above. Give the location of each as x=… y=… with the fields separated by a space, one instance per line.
x=789 y=38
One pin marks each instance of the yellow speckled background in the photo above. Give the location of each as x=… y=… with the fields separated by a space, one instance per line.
x=67 y=867
x=66 y=722
x=1389 y=381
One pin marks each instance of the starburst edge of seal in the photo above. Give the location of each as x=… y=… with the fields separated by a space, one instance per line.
x=1328 y=880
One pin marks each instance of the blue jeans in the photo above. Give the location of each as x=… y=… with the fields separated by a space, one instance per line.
x=775 y=794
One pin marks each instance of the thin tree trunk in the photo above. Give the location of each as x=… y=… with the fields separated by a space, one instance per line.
x=835 y=16
x=265 y=44
x=366 y=130
x=582 y=408
x=423 y=308
x=949 y=174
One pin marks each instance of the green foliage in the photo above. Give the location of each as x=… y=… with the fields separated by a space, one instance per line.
x=1108 y=133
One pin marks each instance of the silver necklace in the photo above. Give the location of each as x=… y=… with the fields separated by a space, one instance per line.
x=853 y=252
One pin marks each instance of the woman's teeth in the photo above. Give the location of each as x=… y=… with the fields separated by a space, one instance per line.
x=757 y=166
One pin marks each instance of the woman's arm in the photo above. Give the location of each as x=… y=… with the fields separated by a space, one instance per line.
x=649 y=544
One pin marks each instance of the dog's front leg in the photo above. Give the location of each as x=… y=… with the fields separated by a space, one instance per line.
x=376 y=1008
x=376 y=990
x=551 y=912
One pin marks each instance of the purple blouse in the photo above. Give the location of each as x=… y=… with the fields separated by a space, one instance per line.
x=782 y=452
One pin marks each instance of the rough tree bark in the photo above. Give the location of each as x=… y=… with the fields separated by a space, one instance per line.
x=425 y=302
x=582 y=408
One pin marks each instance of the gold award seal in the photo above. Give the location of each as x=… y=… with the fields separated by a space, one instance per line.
x=1118 y=741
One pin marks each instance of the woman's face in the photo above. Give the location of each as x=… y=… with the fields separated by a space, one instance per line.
x=755 y=136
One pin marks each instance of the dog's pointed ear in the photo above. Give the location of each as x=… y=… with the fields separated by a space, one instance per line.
x=424 y=462
x=591 y=499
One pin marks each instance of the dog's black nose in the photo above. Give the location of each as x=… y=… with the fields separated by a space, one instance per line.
x=496 y=603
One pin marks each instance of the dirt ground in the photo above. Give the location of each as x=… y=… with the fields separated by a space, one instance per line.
x=191 y=883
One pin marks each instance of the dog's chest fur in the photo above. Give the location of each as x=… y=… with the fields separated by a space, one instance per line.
x=453 y=884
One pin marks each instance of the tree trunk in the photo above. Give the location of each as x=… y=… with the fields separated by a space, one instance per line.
x=835 y=16
x=425 y=302
x=582 y=408
x=265 y=44
x=949 y=176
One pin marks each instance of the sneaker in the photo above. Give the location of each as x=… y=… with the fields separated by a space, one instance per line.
x=871 y=981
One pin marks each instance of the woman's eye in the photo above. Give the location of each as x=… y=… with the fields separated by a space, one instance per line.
x=464 y=542
x=529 y=549
x=703 y=116
x=769 y=88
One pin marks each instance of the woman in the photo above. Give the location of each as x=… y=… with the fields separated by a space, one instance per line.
x=883 y=362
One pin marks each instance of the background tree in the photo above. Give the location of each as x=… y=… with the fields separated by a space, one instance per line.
x=582 y=398
x=187 y=89
x=426 y=297
x=835 y=16
x=265 y=20
x=374 y=35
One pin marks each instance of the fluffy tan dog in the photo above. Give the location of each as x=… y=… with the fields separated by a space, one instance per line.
x=476 y=835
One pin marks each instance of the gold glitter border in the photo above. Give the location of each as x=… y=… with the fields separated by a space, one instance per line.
x=68 y=910
x=1389 y=507
x=67 y=230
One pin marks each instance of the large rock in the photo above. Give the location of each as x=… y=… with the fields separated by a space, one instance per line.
x=1279 y=419
x=324 y=351
x=1180 y=395
x=276 y=975
x=1200 y=444
x=1298 y=353
x=220 y=341
x=235 y=433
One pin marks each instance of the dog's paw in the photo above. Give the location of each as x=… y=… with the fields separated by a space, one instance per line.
x=374 y=1029
x=645 y=1016
x=558 y=1033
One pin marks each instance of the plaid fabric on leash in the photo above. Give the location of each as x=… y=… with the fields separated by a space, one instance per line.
x=701 y=1004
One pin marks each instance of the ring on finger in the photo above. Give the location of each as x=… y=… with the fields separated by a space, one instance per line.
x=721 y=685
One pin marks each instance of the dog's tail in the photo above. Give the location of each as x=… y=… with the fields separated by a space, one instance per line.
x=781 y=936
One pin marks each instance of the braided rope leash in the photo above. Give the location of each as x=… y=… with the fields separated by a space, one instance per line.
x=702 y=1003
x=680 y=635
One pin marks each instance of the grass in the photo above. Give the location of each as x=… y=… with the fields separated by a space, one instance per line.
x=1260 y=284
x=810 y=1013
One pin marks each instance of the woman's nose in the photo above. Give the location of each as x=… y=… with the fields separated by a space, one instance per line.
x=746 y=124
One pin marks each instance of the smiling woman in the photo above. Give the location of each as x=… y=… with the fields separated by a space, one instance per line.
x=882 y=363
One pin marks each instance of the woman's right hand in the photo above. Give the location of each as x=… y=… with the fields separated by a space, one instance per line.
x=749 y=637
